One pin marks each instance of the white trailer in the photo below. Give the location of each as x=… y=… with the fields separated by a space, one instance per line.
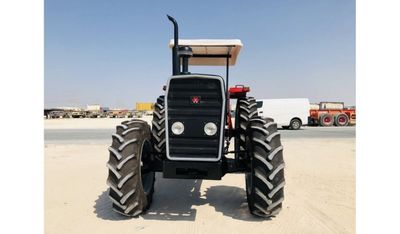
x=287 y=113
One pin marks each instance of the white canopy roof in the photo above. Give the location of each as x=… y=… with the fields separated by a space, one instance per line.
x=204 y=47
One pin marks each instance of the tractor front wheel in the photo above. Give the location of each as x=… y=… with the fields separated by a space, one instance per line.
x=130 y=177
x=265 y=180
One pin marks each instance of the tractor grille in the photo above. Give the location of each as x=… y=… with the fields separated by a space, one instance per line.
x=195 y=101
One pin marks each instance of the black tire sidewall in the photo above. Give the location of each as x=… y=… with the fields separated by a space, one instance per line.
x=292 y=122
x=254 y=183
x=139 y=130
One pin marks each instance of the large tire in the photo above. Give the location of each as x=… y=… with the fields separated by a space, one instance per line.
x=265 y=181
x=158 y=126
x=326 y=120
x=341 y=120
x=130 y=178
x=246 y=108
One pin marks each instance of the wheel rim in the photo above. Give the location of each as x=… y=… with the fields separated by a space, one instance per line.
x=342 y=119
x=327 y=119
x=295 y=124
x=146 y=176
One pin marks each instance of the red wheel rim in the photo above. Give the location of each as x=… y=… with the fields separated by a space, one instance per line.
x=327 y=119
x=342 y=119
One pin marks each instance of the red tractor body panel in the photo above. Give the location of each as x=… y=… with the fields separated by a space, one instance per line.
x=238 y=91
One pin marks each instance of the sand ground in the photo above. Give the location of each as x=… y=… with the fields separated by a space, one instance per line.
x=319 y=193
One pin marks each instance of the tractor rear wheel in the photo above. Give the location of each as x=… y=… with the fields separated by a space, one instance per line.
x=246 y=108
x=341 y=120
x=158 y=126
x=326 y=120
x=265 y=181
x=130 y=177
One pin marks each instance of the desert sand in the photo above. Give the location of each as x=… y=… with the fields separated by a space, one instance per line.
x=86 y=123
x=319 y=192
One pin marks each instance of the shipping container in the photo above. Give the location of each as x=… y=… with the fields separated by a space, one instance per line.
x=144 y=106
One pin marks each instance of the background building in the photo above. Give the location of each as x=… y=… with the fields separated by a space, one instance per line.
x=94 y=107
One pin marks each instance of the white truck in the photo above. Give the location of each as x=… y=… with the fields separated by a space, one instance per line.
x=289 y=113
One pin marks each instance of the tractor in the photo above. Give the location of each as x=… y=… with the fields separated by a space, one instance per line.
x=190 y=135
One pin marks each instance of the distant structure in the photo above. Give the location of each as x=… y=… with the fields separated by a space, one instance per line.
x=70 y=108
x=94 y=107
x=97 y=108
x=144 y=106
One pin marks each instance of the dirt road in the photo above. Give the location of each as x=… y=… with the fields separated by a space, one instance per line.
x=319 y=194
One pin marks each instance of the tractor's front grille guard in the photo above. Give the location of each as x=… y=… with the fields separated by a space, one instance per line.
x=195 y=147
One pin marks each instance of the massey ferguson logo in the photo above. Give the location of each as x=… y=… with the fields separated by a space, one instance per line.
x=195 y=99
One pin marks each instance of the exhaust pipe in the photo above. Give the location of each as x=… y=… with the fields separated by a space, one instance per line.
x=175 y=57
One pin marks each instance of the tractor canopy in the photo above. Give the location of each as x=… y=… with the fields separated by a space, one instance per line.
x=211 y=52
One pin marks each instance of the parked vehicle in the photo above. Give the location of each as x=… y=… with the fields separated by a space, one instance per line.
x=77 y=114
x=137 y=114
x=57 y=114
x=289 y=113
x=93 y=114
x=119 y=114
x=332 y=113
x=128 y=114
x=191 y=132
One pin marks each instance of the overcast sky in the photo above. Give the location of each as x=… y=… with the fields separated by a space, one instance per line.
x=115 y=53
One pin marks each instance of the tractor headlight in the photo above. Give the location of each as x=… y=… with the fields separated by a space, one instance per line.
x=177 y=128
x=210 y=129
